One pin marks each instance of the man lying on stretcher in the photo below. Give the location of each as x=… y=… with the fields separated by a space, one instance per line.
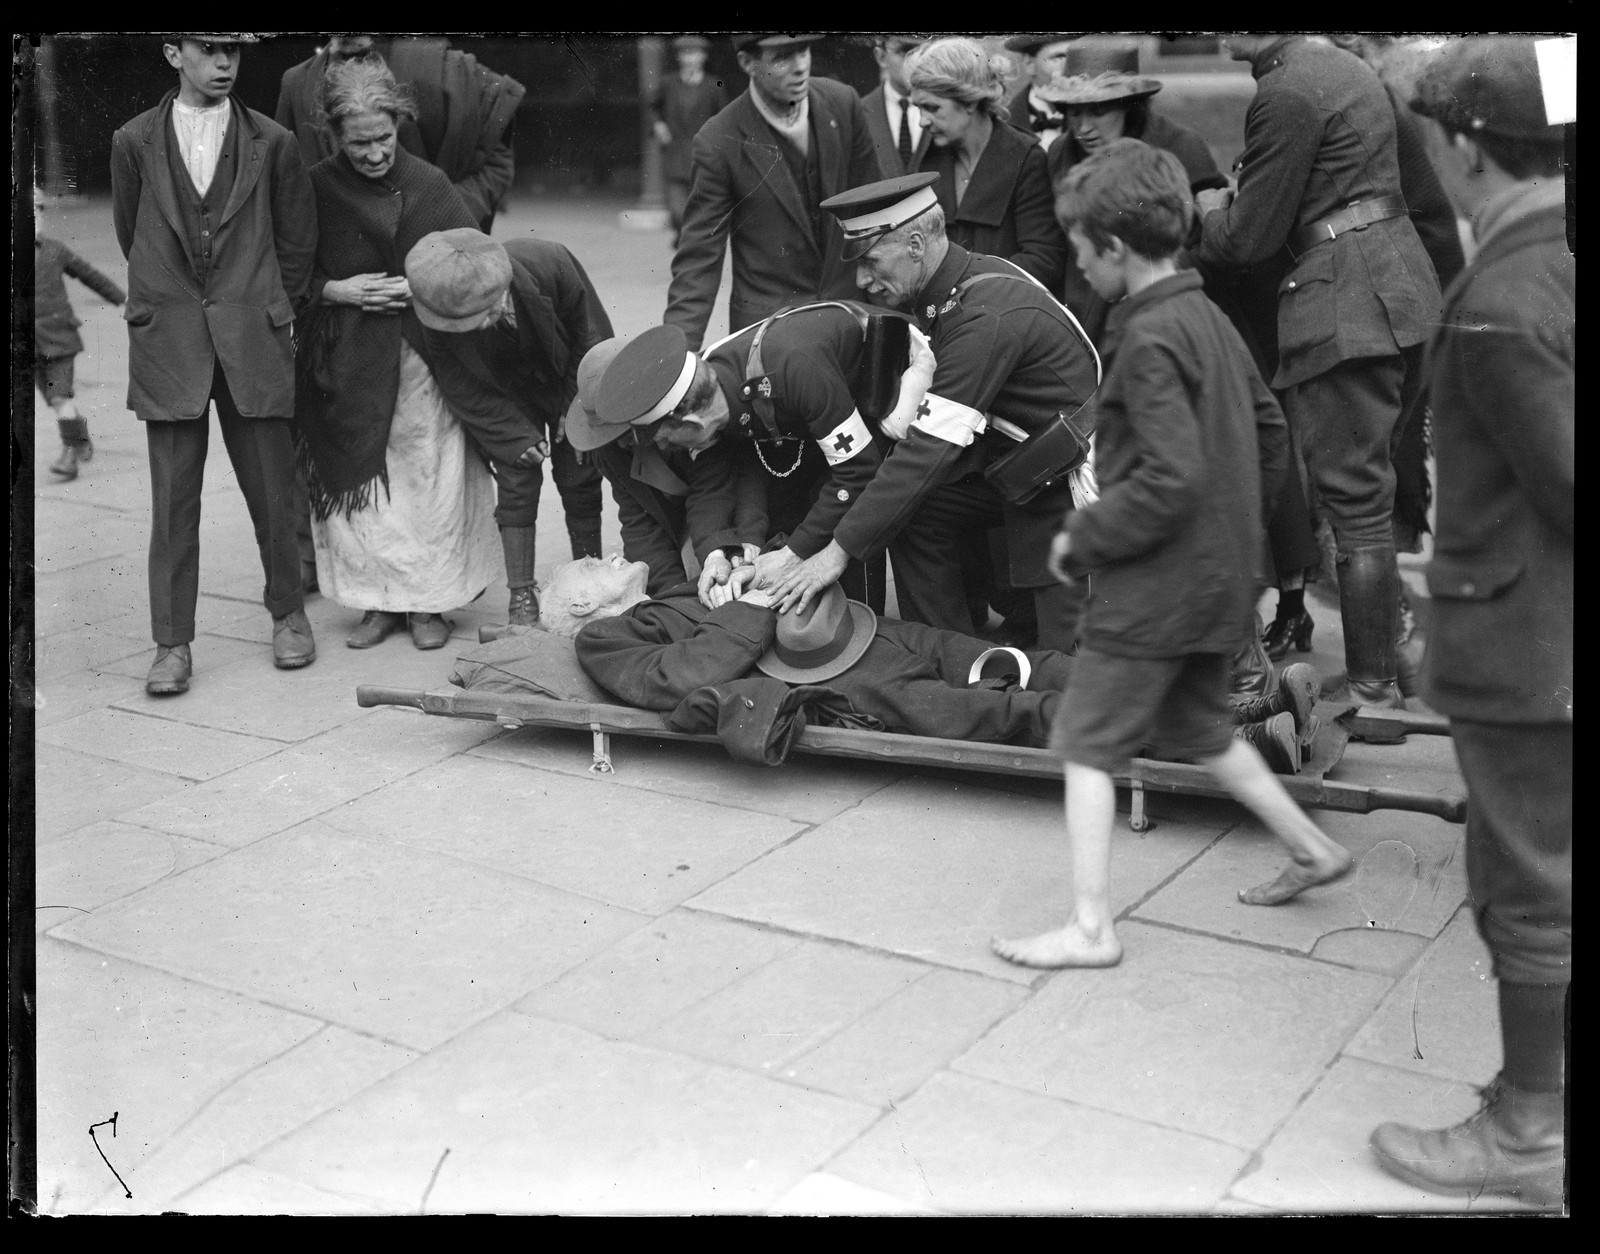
x=723 y=668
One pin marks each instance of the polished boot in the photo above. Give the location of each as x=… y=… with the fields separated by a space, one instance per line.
x=1369 y=605
x=1296 y=695
x=523 y=615
x=1512 y=1146
x=1252 y=671
x=1276 y=741
x=170 y=672
x=1287 y=631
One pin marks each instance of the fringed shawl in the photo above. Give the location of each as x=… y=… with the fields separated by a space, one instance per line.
x=347 y=362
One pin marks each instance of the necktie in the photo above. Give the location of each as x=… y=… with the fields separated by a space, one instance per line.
x=905 y=134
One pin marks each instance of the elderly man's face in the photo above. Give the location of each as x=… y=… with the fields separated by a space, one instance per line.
x=592 y=588
x=891 y=272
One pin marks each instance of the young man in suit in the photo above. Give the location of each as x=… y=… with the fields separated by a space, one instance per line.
x=762 y=168
x=1044 y=59
x=1499 y=663
x=216 y=216
x=896 y=124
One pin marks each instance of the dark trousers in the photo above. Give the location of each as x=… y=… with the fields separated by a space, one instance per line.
x=930 y=573
x=518 y=489
x=1344 y=419
x=263 y=463
x=1519 y=844
x=1290 y=538
x=1408 y=451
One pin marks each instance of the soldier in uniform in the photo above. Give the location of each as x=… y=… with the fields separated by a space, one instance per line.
x=1499 y=662
x=1005 y=349
x=1321 y=177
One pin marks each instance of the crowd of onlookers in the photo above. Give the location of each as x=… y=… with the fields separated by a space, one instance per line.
x=1001 y=323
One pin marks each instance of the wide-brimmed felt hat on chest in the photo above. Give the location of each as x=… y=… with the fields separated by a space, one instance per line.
x=825 y=639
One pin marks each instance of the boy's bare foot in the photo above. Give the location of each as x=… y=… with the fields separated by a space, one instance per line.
x=1331 y=864
x=1069 y=946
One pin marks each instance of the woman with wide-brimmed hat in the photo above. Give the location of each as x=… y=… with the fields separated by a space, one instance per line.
x=1106 y=98
x=993 y=184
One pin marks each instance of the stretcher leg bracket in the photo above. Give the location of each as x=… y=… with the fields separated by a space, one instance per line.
x=602 y=752
x=1138 y=820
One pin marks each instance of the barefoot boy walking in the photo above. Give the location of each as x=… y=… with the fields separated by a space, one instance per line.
x=1173 y=543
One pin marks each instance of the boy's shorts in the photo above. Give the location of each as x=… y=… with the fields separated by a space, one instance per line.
x=1114 y=707
x=53 y=377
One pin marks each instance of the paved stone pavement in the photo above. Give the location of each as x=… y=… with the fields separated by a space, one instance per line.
x=689 y=986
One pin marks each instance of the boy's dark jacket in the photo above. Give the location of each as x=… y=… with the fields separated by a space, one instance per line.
x=1190 y=447
x=55 y=326
x=1502 y=387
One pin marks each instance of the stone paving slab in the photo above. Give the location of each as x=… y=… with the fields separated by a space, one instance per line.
x=823 y=1194
x=1447 y=1009
x=540 y=1116
x=65 y=697
x=807 y=789
x=84 y=649
x=1371 y=949
x=158 y=744
x=212 y=613
x=933 y=867
x=321 y=1073
x=210 y=654
x=887 y=1053
x=90 y=593
x=67 y=534
x=1410 y=877
x=116 y=1036
x=1189 y=1032
x=769 y=1018
x=316 y=920
x=247 y=1190
x=966 y=1145
x=1320 y=1161
x=72 y=789
x=652 y=974
x=103 y=862
x=570 y=833
x=312 y=777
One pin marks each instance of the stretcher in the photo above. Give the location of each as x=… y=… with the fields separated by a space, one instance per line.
x=1311 y=787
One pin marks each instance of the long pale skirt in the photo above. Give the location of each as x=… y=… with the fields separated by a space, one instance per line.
x=430 y=543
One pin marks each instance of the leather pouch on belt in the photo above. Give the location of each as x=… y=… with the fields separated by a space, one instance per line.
x=1040 y=460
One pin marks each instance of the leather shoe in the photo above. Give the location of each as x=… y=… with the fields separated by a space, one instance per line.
x=170 y=672
x=375 y=627
x=429 y=631
x=1288 y=631
x=1275 y=740
x=65 y=467
x=1512 y=1146
x=292 y=644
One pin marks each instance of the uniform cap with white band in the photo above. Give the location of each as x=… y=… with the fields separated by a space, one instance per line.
x=646 y=381
x=870 y=212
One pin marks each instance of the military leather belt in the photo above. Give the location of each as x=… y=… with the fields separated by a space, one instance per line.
x=1357 y=216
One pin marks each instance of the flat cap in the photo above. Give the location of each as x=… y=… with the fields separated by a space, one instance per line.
x=1030 y=43
x=870 y=212
x=751 y=41
x=456 y=277
x=584 y=429
x=646 y=380
x=1488 y=84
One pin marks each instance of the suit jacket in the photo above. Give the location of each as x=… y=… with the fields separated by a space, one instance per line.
x=887 y=140
x=743 y=192
x=463 y=124
x=1502 y=385
x=1008 y=210
x=1319 y=134
x=265 y=243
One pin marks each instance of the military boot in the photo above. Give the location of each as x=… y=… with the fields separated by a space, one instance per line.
x=1514 y=1145
x=1369 y=604
x=1275 y=740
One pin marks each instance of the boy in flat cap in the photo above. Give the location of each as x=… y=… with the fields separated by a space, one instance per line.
x=215 y=213
x=762 y=168
x=1499 y=661
x=506 y=326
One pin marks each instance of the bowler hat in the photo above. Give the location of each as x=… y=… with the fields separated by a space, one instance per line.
x=1490 y=85
x=754 y=41
x=456 y=277
x=825 y=639
x=584 y=429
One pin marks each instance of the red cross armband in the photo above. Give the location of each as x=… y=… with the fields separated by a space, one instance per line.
x=948 y=421
x=847 y=440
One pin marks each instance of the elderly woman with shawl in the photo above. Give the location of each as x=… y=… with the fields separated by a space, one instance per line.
x=402 y=504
